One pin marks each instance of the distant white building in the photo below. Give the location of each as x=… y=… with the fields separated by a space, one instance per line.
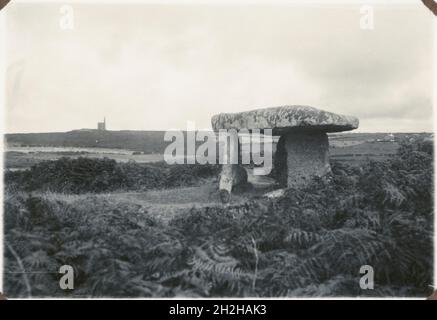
x=388 y=138
x=429 y=138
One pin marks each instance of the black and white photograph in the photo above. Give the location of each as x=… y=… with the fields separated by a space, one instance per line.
x=217 y=149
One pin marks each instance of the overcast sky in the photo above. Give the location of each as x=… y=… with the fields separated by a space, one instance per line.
x=155 y=67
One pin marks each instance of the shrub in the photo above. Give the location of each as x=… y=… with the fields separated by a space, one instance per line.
x=83 y=175
x=310 y=242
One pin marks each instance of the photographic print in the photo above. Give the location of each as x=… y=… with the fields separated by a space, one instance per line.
x=207 y=149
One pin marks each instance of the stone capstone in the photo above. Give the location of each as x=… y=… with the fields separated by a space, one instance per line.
x=285 y=118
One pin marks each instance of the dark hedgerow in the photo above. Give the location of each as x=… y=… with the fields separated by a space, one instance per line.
x=310 y=242
x=83 y=175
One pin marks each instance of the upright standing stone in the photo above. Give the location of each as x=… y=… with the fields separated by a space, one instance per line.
x=232 y=174
x=307 y=157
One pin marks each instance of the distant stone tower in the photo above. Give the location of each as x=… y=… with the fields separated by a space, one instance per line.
x=101 y=126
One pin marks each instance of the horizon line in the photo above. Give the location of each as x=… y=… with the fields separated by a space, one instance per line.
x=163 y=130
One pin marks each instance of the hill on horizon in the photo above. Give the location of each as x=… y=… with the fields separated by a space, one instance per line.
x=150 y=141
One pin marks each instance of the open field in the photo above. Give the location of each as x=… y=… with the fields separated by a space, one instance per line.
x=22 y=160
x=349 y=148
x=352 y=154
x=356 y=154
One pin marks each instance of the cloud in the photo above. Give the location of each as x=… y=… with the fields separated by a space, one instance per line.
x=155 y=67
